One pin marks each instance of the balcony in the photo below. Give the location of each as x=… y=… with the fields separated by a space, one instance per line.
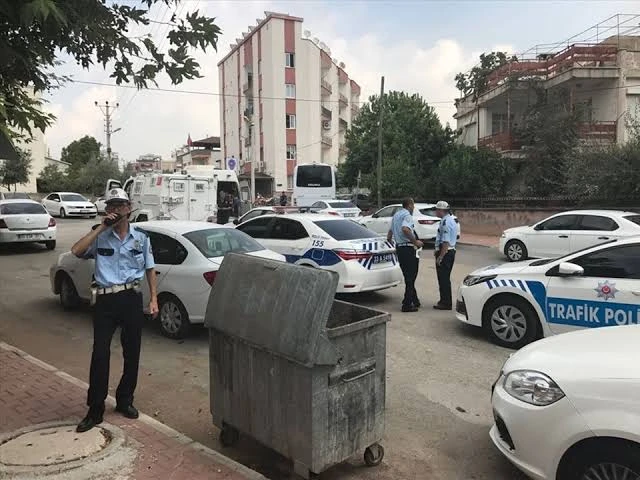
x=343 y=101
x=605 y=131
x=325 y=87
x=327 y=141
x=501 y=142
x=326 y=111
x=343 y=124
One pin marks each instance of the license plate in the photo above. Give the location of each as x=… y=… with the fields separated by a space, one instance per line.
x=28 y=236
x=384 y=258
x=349 y=214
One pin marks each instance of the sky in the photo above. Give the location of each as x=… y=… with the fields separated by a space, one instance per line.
x=418 y=45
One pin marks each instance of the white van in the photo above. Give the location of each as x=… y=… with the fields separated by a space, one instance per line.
x=178 y=196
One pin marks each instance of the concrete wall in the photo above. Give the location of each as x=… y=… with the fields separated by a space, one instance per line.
x=494 y=222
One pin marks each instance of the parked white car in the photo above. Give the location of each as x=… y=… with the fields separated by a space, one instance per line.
x=342 y=208
x=424 y=215
x=517 y=303
x=26 y=221
x=364 y=260
x=101 y=206
x=69 y=204
x=187 y=255
x=567 y=232
x=568 y=407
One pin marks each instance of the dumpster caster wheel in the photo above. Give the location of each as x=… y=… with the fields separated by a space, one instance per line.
x=373 y=455
x=229 y=436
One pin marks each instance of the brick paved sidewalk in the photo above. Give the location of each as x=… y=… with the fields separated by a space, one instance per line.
x=32 y=392
x=480 y=240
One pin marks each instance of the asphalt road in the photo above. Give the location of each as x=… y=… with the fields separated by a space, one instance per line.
x=438 y=388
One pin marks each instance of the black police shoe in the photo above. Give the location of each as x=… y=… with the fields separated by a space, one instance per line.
x=128 y=411
x=91 y=420
x=411 y=308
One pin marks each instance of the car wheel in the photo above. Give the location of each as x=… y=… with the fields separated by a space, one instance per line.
x=510 y=321
x=50 y=244
x=63 y=214
x=515 y=251
x=174 y=319
x=608 y=461
x=69 y=298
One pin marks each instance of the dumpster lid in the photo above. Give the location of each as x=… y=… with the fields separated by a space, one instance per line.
x=281 y=307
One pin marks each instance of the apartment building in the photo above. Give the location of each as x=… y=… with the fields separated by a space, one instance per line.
x=284 y=100
x=599 y=68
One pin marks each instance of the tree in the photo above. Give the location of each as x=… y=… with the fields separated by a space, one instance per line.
x=51 y=179
x=93 y=176
x=34 y=33
x=81 y=151
x=16 y=171
x=413 y=139
x=475 y=81
x=467 y=172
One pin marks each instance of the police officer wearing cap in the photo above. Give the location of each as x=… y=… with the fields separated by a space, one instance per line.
x=403 y=235
x=122 y=257
x=445 y=253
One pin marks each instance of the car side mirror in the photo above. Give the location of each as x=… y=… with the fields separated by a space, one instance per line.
x=566 y=269
x=537 y=227
x=375 y=215
x=236 y=221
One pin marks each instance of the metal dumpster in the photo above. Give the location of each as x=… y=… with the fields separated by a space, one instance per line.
x=291 y=367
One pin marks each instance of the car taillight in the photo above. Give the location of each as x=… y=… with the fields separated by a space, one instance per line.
x=427 y=222
x=210 y=277
x=52 y=222
x=353 y=254
x=3 y=224
x=334 y=213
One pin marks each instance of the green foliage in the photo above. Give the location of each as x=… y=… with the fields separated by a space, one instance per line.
x=475 y=81
x=413 y=142
x=34 y=33
x=467 y=172
x=15 y=171
x=80 y=152
x=51 y=179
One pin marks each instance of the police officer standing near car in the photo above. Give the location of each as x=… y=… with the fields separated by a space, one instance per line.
x=445 y=253
x=403 y=235
x=122 y=257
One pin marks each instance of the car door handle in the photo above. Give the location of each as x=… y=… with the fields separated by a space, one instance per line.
x=563 y=236
x=603 y=238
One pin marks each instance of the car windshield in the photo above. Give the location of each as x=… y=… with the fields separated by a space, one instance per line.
x=217 y=242
x=22 y=209
x=73 y=197
x=345 y=229
x=341 y=205
x=633 y=218
x=545 y=261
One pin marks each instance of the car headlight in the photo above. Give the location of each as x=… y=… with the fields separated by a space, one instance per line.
x=471 y=280
x=532 y=387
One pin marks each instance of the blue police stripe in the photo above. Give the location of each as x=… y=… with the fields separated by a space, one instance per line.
x=521 y=285
x=490 y=284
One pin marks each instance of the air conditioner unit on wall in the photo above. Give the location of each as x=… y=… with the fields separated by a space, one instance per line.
x=326 y=124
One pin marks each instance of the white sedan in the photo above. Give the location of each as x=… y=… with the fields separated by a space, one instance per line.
x=424 y=215
x=364 y=260
x=187 y=256
x=101 y=206
x=517 y=303
x=68 y=204
x=567 y=232
x=26 y=221
x=342 y=208
x=568 y=407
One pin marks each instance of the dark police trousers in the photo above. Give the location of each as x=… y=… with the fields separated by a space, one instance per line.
x=409 y=266
x=123 y=309
x=444 y=277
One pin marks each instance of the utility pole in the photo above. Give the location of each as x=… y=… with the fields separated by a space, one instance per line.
x=107 y=111
x=381 y=108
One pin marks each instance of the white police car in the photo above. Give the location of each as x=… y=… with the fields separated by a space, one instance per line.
x=518 y=303
x=363 y=260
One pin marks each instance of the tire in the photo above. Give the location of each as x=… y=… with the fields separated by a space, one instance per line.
x=50 y=244
x=173 y=317
x=63 y=214
x=515 y=251
x=605 y=461
x=69 y=298
x=373 y=455
x=229 y=436
x=510 y=321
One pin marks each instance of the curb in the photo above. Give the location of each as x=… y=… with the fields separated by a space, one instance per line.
x=155 y=424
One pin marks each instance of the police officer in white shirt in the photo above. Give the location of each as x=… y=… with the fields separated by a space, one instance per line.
x=445 y=253
x=122 y=257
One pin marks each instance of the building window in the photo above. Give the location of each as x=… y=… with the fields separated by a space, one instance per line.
x=291 y=152
x=290 y=90
x=289 y=60
x=291 y=121
x=290 y=182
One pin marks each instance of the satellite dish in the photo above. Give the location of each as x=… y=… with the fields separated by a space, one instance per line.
x=342 y=65
x=334 y=60
x=307 y=34
x=316 y=40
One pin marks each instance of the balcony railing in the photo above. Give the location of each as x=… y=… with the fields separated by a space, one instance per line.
x=327 y=141
x=501 y=142
x=326 y=111
x=326 y=87
x=343 y=124
x=343 y=101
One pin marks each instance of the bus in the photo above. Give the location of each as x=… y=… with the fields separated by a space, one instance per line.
x=313 y=182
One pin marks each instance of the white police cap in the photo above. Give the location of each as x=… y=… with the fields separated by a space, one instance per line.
x=116 y=195
x=442 y=205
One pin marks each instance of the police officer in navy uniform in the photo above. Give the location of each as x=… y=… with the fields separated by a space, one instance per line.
x=122 y=257
x=445 y=253
x=403 y=235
